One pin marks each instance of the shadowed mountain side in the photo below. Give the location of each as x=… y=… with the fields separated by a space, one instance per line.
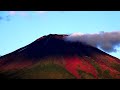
x=51 y=45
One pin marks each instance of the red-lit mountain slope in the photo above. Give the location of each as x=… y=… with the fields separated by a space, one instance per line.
x=51 y=57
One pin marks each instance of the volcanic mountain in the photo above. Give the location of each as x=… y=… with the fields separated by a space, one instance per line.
x=51 y=57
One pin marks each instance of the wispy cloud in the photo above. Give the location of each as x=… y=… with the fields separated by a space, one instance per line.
x=12 y=12
x=20 y=13
x=24 y=13
x=40 y=12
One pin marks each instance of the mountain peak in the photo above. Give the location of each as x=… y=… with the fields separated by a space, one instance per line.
x=57 y=36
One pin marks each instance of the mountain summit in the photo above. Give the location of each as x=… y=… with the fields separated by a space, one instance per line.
x=52 y=57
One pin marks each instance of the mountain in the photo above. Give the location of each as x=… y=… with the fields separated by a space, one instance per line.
x=51 y=57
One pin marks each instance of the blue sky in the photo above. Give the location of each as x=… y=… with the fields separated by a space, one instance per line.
x=25 y=27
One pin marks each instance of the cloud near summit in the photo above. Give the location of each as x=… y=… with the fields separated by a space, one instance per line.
x=107 y=41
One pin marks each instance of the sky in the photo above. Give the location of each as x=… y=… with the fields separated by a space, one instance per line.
x=20 y=28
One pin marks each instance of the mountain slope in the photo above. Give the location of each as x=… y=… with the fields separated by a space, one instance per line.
x=51 y=57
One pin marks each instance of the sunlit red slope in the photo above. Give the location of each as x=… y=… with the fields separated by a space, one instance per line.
x=52 y=57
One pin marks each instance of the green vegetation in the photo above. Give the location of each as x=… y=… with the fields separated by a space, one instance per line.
x=116 y=66
x=49 y=71
x=106 y=74
x=97 y=68
x=46 y=69
x=85 y=75
x=53 y=68
x=102 y=74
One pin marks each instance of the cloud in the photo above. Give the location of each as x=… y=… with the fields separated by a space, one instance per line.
x=107 y=41
x=12 y=12
x=21 y=13
x=40 y=12
x=24 y=13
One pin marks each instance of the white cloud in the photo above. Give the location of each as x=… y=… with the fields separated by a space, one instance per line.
x=40 y=12
x=12 y=12
x=107 y=41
